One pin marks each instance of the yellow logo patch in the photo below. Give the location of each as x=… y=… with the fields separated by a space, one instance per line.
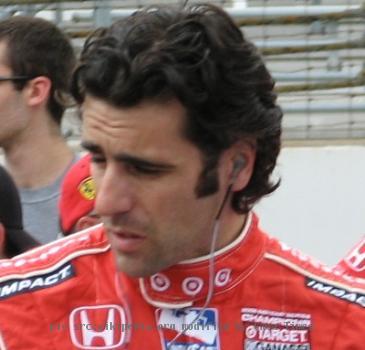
x=87 y=189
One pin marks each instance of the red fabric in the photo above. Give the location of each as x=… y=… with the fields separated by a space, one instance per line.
x=354 y=263
x=77 y=194
x=270 y=297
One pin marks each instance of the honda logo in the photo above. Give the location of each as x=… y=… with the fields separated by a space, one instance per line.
x=2 y=344
x=98 y=327
x=356 y=259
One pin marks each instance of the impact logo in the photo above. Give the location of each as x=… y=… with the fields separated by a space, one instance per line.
x=272 y=330
x=337 y=292
x=25 y=285
x=200 y=331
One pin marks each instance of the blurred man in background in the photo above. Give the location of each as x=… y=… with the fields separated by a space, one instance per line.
x=77 y=198
x=36 y=62
x=14 y=239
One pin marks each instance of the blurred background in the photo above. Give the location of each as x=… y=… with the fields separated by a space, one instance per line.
x=315 y=50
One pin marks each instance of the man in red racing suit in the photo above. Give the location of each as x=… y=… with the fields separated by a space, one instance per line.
x=180 y=118
x=68 y=295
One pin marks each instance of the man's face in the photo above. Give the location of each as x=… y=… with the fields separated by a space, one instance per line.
x=146 y=173
x=13 y=118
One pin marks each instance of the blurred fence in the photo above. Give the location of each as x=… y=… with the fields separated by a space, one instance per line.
x=314 y=49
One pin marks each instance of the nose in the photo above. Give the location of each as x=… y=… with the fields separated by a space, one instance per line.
x=113 y=193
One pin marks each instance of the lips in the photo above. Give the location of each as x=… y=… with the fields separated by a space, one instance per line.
x=126 y=241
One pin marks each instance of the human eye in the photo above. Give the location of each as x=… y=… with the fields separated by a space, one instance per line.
x=96 y=153
x=97 y=158
x=147 y=170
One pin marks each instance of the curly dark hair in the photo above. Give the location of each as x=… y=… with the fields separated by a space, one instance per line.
x=199 y=56
x=36 y=47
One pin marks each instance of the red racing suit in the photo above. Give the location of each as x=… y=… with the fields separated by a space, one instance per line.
x=68 y=295
x=354 y=263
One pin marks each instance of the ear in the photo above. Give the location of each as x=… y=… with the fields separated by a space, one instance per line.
x=243 y=155
x=37 y=91
x=86 y=222
x=2 y=241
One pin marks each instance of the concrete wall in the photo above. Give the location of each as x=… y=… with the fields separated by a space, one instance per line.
x=320 y=205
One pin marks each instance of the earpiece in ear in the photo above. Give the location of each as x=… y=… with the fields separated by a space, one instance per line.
x=238 y=165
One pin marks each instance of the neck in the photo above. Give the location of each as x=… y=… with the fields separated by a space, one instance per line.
x=230 y=227
x=191 y=281
x=37 y=157
x=225 y=238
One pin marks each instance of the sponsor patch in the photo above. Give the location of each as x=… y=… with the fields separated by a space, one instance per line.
x=98 y=327
x=87 y=189
x=274 y=330
x=356 y=259
x=337 y=292
x=17 y=286
x=199 y=334
x=2 y=344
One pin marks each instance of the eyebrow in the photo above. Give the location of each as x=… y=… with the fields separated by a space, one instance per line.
x=129 y=159
x=90 y=146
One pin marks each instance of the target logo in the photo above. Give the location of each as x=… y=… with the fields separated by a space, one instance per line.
x=192 y=285
x=160 y=282
x=222 y=277
x=251 y=332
